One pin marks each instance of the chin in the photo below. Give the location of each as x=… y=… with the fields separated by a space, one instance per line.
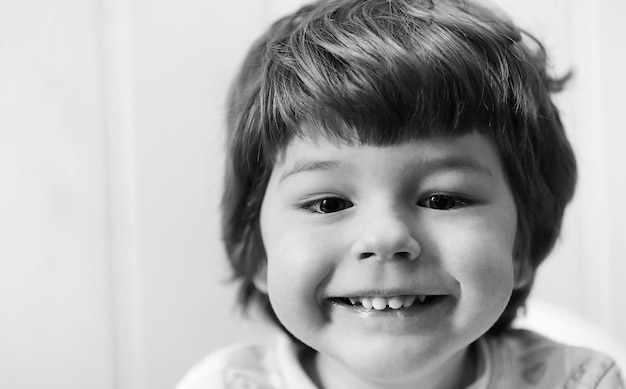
x=388 y=360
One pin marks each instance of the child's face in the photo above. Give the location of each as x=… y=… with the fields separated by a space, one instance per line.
x=391 y=224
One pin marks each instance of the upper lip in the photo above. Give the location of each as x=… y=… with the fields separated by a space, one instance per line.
x=388 y=293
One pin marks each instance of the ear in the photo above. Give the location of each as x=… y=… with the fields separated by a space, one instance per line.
x=522 y=272
x=260 y=278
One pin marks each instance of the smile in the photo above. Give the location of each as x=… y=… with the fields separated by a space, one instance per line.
x=380 y=303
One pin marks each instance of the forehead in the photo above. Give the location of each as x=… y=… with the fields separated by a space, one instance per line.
x=471 y=153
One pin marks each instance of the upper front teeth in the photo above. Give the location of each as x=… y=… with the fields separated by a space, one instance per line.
x=380 y=303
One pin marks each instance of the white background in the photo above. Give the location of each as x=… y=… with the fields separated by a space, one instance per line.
x=111 y=114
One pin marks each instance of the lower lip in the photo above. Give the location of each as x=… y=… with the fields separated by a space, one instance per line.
x=416 y=318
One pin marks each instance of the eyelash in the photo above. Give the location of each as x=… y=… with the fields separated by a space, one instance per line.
x=452 y=202
x=458 y=202
x=315 y=206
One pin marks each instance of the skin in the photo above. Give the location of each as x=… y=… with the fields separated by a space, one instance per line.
x=430 y=217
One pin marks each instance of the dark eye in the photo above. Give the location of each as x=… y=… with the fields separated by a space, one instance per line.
x=328 y=205
x=442 y=202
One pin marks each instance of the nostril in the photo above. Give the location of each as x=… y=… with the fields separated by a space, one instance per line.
x=399 y=255
x=404 y=255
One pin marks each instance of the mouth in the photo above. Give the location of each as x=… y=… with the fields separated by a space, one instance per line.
x=381 y=303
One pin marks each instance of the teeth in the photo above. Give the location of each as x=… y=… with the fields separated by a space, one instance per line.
x=381 y=303
x=395 y=303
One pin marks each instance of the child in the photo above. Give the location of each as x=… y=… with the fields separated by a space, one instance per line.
x=396 y=173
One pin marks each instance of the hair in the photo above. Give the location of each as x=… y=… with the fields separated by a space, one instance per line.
x=383 y=72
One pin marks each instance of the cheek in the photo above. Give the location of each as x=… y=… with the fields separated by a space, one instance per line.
x=485 y=270
x=289 y=266
x=299 y=254
x=297 y=266
x=293 y=255
x=491 y=274
x=479 y=256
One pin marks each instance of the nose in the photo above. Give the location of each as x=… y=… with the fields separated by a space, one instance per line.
x=386 y=237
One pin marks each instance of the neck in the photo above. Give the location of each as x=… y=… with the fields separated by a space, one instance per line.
x=457 y=372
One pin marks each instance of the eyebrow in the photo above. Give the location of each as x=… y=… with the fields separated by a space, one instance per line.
x=311 y=166
x=463 y=163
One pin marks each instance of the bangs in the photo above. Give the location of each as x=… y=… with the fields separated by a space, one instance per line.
x=386 y=74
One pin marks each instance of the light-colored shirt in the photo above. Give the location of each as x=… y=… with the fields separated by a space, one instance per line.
x=517 y=359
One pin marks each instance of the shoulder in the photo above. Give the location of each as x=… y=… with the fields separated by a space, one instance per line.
x=524 y=358
x=253 y=365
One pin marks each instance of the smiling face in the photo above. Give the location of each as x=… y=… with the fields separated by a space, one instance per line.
x=388 y=261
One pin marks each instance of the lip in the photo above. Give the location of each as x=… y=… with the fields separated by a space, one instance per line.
x=415 y=294
x=405 y=301
x=387 y=293
x=416 y=318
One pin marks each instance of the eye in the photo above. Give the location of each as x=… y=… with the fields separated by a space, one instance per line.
x=443 y=202
x=328 y=205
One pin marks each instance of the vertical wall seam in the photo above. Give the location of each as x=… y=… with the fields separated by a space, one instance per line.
x=124 y=252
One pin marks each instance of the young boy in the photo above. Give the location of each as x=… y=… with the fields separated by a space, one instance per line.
x=396 y=173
